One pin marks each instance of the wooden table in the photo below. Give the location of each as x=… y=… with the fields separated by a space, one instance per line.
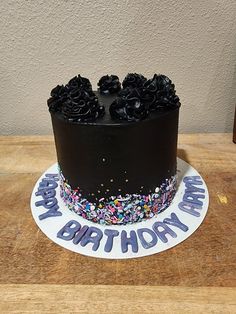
x=39 y=276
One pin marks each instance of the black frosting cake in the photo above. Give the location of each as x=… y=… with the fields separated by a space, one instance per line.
x=117 y=147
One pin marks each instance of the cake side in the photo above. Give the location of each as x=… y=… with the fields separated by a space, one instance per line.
x=102 y=163
x=116 y=168
x=119 y=210
x=107 y=159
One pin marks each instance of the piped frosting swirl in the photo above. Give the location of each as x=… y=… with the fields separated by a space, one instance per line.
x=109 y=84
x=76 y=101
x=129 y=106
x=134 y=80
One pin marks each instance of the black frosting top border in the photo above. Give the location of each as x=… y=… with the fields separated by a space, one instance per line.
x=140 y=99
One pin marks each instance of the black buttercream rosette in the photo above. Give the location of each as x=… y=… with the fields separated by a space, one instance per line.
x=109 y=84
x=76 y=101
x=142 y=96
x=159 y=93
x=79 y=82
x=58 y=97
x=128 y=106
x=134 y=80
x=82 y=106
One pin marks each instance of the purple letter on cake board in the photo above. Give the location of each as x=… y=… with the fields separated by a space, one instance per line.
x=132 y=240
x=87 y=238
x=69 y=230
x=166 y=230
x=189 y=208
x=146 y=244
x=79 y=235
x=110 y=236
x=46 y=189
x=174 y=221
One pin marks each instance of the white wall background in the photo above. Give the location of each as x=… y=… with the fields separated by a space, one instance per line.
x=43 y=43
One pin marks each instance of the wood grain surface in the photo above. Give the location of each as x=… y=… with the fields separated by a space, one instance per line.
x=206 y=260
x=115 y=299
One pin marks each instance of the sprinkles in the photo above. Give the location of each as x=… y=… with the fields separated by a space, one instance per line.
x=121 y=209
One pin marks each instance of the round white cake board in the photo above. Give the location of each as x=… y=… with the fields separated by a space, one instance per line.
x=192 y=219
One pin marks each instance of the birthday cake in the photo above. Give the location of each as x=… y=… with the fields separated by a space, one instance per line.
x=116 y=147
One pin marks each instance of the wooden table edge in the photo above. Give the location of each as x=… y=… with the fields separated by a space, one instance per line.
x=45 y=297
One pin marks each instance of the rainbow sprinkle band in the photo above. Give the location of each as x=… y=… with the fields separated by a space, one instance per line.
x=119 y=210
